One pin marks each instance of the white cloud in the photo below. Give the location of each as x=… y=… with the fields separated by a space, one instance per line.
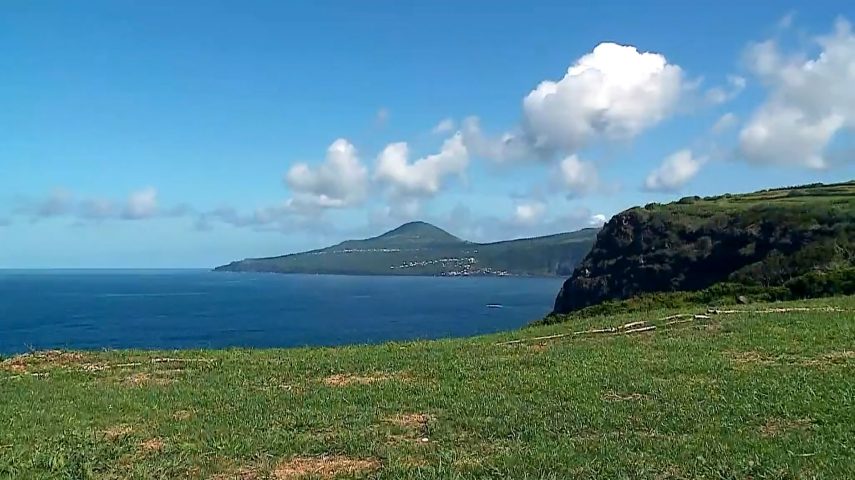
x=674 y=172
x=60 y=202
x=786 y=21
x=258 y=218
x=277 y=218
x=97 y=209
x=507 y=147
x=578 y=176
x=725 y=123
x=527 y=218
x=781 y=134
x=718 y=95
x=597 y=220
x=811 y=101
x=445 y=125
x=570 y=218
x=141 y=204
x=529 y=213
x=614 y=92
x=424 y=176
x=337 y=183
x=395 y=213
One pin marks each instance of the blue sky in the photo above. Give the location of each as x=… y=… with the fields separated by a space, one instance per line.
x=189 y=134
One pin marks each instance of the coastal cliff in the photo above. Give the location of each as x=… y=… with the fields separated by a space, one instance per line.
x=799 y=239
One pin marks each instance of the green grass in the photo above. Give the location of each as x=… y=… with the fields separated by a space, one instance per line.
x=735 y=396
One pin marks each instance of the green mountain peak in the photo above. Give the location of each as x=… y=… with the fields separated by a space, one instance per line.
x=421 y=232
x=419 y=248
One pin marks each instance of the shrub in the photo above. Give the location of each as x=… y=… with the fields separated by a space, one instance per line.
x=823 y=284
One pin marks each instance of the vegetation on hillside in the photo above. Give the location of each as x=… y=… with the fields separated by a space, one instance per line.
x=419 y=248
x=764 y=392
x=789 y=243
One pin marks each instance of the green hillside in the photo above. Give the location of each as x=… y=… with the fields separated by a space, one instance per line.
x=419 y=248
x=758 y=392
x=783 y=243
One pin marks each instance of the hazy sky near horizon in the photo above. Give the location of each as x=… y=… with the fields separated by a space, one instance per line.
x=189 y=134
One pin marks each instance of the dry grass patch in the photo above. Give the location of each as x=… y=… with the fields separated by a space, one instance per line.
x=143 y=379
x=830 y=358
x=415 y=424
x=345 y=379
x=775 y=427
x=182 y=415
x=323 y=467
x=711 y=327
x=823 y=360
x=467 y=463
x=152 y=445
x=243 y=473
x=411 y=420
x=44 y=360
x=617 y=397
x=117 y=431
x=751 y=358
x=671 y=472
x=13 y=367
x=276 y=386
x=408 y=439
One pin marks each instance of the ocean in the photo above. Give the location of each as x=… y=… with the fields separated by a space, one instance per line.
x=180 y=309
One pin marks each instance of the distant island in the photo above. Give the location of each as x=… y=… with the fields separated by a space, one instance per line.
x=419 y=248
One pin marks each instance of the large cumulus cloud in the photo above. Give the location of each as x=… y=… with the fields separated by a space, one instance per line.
x=811 y=101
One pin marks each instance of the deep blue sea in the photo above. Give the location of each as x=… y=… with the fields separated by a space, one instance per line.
x=169 y=309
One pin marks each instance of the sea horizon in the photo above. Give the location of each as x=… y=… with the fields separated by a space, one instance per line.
x=167 y=309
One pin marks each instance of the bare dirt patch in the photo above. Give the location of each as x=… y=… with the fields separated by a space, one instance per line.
x=775 y=427
x=117 y=431
x=345 y=379
x=323 y=467
x=152 y=445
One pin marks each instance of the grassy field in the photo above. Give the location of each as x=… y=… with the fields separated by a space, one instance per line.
x=735 y=395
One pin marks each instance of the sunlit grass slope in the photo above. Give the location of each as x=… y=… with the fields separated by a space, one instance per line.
x=768 y=393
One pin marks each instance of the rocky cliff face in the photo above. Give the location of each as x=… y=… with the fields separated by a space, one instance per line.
x=766 y=239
